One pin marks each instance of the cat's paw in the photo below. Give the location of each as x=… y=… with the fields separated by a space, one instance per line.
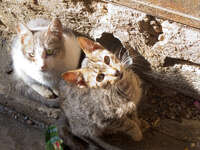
x=56 y=92
x=47 y=93
x=44 y=91
x=51 y=94
x=136 y=133
x=134 y=130
x=47 y=97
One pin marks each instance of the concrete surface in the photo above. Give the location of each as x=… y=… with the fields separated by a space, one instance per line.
x=17 y=136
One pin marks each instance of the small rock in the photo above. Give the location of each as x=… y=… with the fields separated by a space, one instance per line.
x=192 y=145
x=146 y=19
x=172 y=117
x=153 y=22
x=187 y=116
x=26 y=118
x=41 y=125
x=29 y=122
x=15 y=116
x=1 y=108
x=157 y=29
x=161 y=37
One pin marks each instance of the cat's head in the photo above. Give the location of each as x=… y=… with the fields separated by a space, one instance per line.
x=99 y=68
x=42 y=45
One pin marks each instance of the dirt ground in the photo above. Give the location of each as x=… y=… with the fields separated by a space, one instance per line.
x=17 y=136
x=171 y=120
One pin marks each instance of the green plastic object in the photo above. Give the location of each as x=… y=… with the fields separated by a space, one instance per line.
x=53 y=141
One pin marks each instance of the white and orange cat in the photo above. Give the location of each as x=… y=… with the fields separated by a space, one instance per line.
x=41 y=51
x=106 y=98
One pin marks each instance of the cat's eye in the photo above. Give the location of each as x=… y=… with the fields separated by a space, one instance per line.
x=107 y=60
x=49 y=51
x=100 y=77
x=31 y=54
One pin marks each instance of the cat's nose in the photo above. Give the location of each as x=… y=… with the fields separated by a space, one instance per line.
x=118 y=74
x=43 y=68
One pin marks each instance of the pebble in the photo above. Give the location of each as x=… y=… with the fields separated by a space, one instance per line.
x=146 y=19
x=153 y=22
x=187 y=116
x=157 y=29
x=173 y=117
x=15 y=116
x=29 y=122
x=1 y=108
x=161 y=37
x=25 y=118
x=192 y=145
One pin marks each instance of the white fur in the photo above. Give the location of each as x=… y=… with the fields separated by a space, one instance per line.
x=30 y=72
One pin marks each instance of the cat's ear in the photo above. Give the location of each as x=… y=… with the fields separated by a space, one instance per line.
x=26 y=37
x=23 y=29
x=88 y=45
x=55 y=27
x=75 y=77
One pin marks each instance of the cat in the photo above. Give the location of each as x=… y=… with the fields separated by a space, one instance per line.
x=41 y=51
x=102 y=96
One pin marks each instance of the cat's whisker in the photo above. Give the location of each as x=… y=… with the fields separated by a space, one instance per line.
x=128 y=62
x=120 y=52
x=123 y=59
x=126 y=53
x=125 y=56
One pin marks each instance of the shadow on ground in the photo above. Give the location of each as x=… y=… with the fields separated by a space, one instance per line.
x=172 y=119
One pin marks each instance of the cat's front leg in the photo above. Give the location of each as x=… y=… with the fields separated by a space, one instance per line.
x=132 y=128
x=43 y=91
x=55 y=91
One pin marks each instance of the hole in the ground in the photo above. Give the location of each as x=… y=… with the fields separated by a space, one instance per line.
x=151 y=29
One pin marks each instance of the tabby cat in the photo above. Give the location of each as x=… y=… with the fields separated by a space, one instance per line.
x=103 y=95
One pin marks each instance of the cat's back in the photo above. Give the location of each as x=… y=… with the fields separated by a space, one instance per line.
x=80 y=100
x=83 y=107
